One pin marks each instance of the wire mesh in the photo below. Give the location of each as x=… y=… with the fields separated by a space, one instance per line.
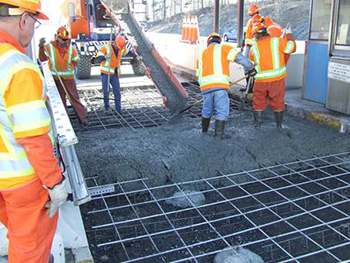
x=289 y=212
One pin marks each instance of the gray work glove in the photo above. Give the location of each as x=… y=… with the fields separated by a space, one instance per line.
x=58 y=195
x=288 y=29
x=42 y=42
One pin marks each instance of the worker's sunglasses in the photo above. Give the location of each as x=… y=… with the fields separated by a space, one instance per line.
x=37 y=23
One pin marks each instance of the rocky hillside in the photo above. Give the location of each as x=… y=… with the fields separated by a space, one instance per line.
x=295 y=12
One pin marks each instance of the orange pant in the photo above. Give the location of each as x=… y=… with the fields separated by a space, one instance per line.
x=30 y=230
x=272 y=92
x=74 y=96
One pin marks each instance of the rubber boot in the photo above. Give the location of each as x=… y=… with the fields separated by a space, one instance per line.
x=220 y=130
x=279 y=119
x=257 y=119
x=205 y=124
x=51 y=259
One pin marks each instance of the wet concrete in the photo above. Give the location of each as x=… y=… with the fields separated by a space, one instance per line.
x=168 y=89
x=181 y=152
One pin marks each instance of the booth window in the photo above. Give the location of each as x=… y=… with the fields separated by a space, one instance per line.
x=343 y=27
x=321 y=13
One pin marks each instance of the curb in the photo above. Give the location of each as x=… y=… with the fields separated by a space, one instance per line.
x=343 y=126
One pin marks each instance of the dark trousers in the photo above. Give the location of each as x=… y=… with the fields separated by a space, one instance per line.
x=71 y=88
x=114 y=81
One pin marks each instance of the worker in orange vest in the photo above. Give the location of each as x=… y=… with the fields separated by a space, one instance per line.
x=32 y=187
x=268 y=53
x=248 y=37
x=213 y=74
x=272 y=28
x=63 y=58
x=110 y=57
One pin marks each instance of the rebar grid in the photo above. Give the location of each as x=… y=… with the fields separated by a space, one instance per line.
x=308 y=200
x=142 y=107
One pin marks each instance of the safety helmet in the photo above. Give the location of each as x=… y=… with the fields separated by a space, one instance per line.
x=62 y=32
x=120 y=42
x=214 y=37
x=259 y=28
x=253 y=9
x=33 y=6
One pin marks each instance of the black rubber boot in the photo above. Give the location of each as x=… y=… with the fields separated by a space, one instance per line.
x=279 y=119
x=51 y=259
x=205 y=124
x=257 y=119
x=220 y=130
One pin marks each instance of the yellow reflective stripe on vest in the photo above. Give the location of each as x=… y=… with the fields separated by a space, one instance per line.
x=271 y=73
x=32 y=125
x=214 y=79
x=217 y=60
x=107 y=69
x=256 y=55
x=13 y=174
x=25 y=106
x=232 y=55
x=13 y=156
x=289 y=48
x=275 y=52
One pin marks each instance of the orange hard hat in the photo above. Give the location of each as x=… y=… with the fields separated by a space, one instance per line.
x=120 y=42
x=258 y=28
x=33 y=6
x=253 y=9
x=62 y=32
x=212 y=36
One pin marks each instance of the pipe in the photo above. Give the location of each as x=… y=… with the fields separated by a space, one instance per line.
x=240 y=10
x=216 y=16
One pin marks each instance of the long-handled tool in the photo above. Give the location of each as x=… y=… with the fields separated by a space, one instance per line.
x=177 y=114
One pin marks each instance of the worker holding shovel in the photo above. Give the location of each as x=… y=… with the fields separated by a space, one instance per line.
x=62 y=59
x=213 y=74
x=110 y=57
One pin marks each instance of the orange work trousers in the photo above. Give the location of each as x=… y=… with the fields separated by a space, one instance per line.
x=30 y=229
x=268 y=92
x=71 y=88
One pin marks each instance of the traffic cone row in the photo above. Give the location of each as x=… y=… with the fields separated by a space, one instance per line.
x=190 y=30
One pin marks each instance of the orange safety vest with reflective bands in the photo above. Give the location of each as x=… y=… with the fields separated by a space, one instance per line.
x=213 y=69
x=23 y=113
x=268 y=54
x=61 y=65
x=108 y=66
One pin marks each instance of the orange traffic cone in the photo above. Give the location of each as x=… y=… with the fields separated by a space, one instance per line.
x=184 y=28
x=191 y=30
x=195 y=30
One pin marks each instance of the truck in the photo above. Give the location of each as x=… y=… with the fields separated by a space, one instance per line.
x=91 y=27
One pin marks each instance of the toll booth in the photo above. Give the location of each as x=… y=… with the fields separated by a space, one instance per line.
x=338 y=93
x=327 y=55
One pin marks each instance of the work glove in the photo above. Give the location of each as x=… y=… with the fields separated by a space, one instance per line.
x=42 y=42
x=58 y=195
x=252 y=72
x=288 y=29
x=139 y=58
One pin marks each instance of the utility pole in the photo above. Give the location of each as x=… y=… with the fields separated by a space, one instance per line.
x=240 y=10
x=216 y=16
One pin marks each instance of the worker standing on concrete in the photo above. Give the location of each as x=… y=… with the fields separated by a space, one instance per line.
x=110 y=57
x=62 y=58
x=248 y=39
x=30 y=178
x=269 y=55
x=213 y=74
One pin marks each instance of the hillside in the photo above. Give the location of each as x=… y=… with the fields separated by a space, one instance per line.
x=295 y=12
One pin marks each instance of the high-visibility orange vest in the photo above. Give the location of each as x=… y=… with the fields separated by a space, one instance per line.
x=61 y=65
x=213 y=66
x=268 y=53
x=108 y=66
x=249 y=39
x=23 y=113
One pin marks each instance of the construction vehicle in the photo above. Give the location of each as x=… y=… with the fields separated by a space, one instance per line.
x=91 y=27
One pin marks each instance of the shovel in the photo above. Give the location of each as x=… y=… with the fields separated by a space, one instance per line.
x=178 y=113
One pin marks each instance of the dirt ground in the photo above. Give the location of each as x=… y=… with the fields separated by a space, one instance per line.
x=180 y=151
